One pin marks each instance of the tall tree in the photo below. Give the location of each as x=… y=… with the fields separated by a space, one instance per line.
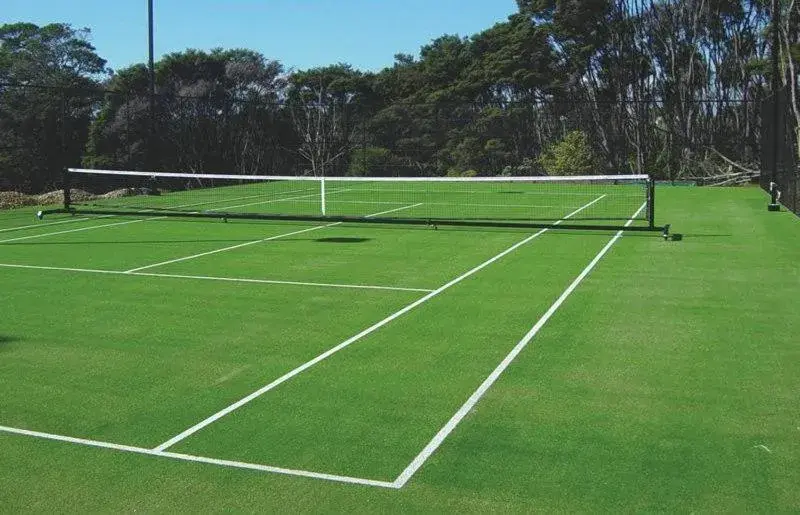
x=327 y=105
x=216 y=111
x=44 y=112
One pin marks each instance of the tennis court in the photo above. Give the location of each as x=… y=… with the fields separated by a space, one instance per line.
x=473 y=367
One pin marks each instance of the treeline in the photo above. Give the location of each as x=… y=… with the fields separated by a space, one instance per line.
x=673 y=88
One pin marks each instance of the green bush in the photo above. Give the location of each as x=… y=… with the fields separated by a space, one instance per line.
x=527 y=168
x=369 y=162
x=456 y=172
x=571 y=156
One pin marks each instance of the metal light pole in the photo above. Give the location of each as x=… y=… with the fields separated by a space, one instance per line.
x=151 y=154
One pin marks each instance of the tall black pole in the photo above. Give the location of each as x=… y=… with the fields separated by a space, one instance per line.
x=776 y=88
x=151 y=154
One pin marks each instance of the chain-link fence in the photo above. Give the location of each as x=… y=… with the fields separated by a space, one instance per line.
x=779 y=151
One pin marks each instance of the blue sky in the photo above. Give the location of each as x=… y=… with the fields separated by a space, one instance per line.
x=299 y=33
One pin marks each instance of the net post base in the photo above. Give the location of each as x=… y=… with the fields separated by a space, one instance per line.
x=60 y=211
x=665 y=232
x=774 y=207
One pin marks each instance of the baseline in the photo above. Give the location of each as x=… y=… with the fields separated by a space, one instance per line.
x=198 y=459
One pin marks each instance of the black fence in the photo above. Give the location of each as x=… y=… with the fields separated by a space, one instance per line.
x=251 y=132
x=779 y=150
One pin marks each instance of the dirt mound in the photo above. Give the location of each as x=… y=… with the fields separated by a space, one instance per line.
x=78 y=195
x=51 y=197
x=12 y=199
x=15 y=199
x=124 y=192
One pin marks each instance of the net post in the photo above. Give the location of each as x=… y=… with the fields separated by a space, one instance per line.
x=774 y=196
x=651 y=202
x=67 y=189
x=322 y=193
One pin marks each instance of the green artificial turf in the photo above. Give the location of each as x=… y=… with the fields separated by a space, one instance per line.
x=666 y=382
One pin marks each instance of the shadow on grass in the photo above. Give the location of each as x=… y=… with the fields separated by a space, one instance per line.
x=342 y=240
x=701 y=235
x=7 y=339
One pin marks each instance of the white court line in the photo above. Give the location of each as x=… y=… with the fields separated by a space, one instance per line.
x=246 y=244
x=482 y=192
x=136 y=221
x=451 y=424
x=80 y=229
x=291 y=283
x=214 y=278
x=195 y=204
x=412 y=206
x=30 y=237
x=198 y=459
x=240 y=198
x=445 y=204
x=71 y=220
x=241 y=402
x=317 y=194
x=225 y=249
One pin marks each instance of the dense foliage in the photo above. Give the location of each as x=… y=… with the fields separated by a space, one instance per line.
x=667 y=87
x=37 y=131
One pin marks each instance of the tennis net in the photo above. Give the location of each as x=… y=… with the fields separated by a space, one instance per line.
x=602 y=201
